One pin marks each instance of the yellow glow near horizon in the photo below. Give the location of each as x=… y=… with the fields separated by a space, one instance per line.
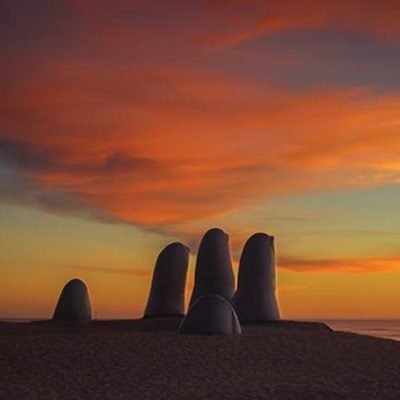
x=117 y=262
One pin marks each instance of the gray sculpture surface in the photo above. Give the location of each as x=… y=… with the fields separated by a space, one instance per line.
x=167 y=293
x=255 y=298
x=214 y=273
x=73 y=303
x=211 y=315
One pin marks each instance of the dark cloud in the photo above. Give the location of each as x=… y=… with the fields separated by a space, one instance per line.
x=119 y=161
x=16 y=189
x=25 y=156
x=31 y=158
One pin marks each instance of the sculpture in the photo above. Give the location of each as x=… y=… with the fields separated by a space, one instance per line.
x=211 y=315
x=255 y=298
x=167 y=292
x=73 y=303
x=213 y=273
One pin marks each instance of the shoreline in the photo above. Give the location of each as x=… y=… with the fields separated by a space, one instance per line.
x=378 y=328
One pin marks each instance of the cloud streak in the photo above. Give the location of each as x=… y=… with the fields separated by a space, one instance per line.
x=362 y=265
x=117 y=271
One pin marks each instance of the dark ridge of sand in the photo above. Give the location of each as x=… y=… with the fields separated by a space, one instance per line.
x=146 y=359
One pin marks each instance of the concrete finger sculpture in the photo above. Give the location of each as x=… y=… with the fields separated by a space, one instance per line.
x=167 y=293
x=214 y=273
x=73 y=303
x=255 y=298
x=211 y=315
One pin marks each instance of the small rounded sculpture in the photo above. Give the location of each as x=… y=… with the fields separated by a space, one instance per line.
x=214 y=274
x=73 y=303
x=255 y=298
x=211 y=315
x=167 y=294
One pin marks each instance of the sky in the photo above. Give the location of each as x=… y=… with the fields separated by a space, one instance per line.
x=127 y=125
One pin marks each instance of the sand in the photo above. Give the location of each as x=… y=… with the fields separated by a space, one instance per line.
x=148 y=360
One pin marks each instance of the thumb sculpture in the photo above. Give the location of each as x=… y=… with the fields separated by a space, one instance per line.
x=255 y=298
x=73 y=303
x=211 y=315
x=214 y=273
x=167 y=294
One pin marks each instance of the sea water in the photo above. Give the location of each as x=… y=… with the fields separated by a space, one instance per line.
x=388 y=329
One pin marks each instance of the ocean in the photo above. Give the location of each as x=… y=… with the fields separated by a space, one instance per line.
x=388 y=329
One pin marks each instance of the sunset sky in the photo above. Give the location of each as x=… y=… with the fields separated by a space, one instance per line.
x=125 y=125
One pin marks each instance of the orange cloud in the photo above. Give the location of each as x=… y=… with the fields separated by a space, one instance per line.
x=202 y=145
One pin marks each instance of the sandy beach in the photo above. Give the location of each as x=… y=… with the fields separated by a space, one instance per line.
x=148 y=360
